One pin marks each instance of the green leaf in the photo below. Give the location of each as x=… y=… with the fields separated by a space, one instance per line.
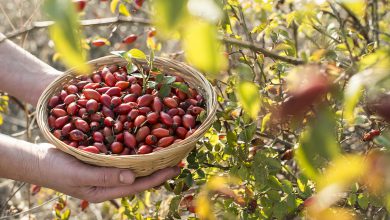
x=151 y=84
x=188 y=180
x=245 y=72
x=201 y=117
x=202 y=49
x=318 y=144
x=352 y=199
x=138 y=75
x=249 y=131
x=66 y=34
x=164 y=90
x=119 y=53
x=113 y=5
x=249 y=97
x=123 y=10
x=181 y=86
x=362 y=201
x=169 y=79
x=174 y=205
x=136 y=53
x=231 y=139
x=159 y=78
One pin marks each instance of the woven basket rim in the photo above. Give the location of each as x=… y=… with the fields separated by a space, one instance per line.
x=169 y=150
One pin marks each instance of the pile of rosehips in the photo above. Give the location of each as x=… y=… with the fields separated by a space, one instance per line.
x=111 y=112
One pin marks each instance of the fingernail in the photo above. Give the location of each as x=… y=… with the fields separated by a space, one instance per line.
x=126 y=177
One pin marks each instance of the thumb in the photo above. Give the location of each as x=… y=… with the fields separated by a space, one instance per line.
x=106 y=177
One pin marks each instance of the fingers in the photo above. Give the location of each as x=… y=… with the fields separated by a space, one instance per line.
x=140 y=184
x=105 y=177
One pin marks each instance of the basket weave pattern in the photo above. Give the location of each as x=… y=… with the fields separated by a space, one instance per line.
x=145 y=164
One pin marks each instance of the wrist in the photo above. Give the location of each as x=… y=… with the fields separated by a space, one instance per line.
x=19 y=160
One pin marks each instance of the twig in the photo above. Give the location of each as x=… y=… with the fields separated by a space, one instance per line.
x=6 y=16
x=342 y=26
x=30 y=210
x=214 y=166
x=3 y=206
x=276 y=139
x=267 y=53
x=356 y=22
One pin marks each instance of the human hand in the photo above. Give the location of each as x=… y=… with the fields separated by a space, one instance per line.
x=66 y=174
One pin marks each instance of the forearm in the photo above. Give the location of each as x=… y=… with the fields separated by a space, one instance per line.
x=23 y=75
x=19 y=160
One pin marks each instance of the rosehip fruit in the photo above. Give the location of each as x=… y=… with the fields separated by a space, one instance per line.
x=145 y=149
x=129 y=39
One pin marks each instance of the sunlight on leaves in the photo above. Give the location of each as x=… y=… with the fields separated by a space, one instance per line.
x=249 y=97
x=202 y=48
x=170 y=15
x=65 y=33
x=332 y=213
x=203 y=207
x=358 y=7
x=343 y=171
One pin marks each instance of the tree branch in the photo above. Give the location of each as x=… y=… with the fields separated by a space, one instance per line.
x=264 y=51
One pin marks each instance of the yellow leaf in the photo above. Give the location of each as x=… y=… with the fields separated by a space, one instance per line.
x=203 y=207
x=249 y=97
x=358 y=7
x=136 y=53
x=123 y=10
x=318 y=54
x=150 y=43
x=66 y=33
x=216 y=183
x=113 y=5
x=71 y=56
x=1 y=119
x=343 y=171
x=202 y=48
x=265 y=121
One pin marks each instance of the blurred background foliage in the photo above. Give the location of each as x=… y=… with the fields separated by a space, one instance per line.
x=301 y=130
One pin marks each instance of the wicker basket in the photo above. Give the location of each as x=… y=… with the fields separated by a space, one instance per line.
x=145 y=164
